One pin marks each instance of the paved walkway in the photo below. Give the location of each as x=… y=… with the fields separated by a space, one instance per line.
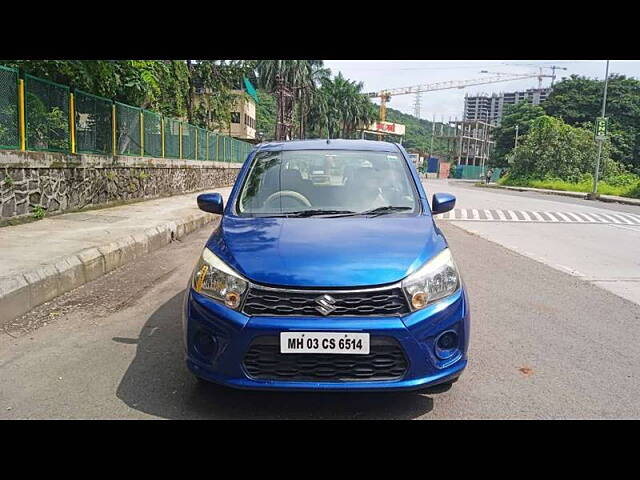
x=43 y=259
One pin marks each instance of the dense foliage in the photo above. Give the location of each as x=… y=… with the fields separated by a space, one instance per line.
x=165 y=86
x=339 y=109
x=554 y=150
x=561 y=157
x=521 y=114
x=578 y=101
x=266 y=115
x=302 y=78
x=324 y=107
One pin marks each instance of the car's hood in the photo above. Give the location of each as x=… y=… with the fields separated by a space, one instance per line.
x=326 y=252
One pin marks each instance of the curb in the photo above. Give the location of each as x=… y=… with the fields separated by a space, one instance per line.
x=22 y=292
x=564 y=193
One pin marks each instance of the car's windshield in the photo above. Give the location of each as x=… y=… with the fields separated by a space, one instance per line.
x=327 y=182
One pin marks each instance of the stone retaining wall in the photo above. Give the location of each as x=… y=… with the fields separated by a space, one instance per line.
x=54 y=183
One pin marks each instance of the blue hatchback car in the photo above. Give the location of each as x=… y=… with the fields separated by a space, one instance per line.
x=327 y=272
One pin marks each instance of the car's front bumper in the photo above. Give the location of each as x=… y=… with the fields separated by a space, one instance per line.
x=234 y=333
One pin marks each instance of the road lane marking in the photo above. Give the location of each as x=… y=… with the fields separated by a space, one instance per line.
x=574 y=217
x=538 y=216
x=553 y=216
x=528 y=216
x=621 y=217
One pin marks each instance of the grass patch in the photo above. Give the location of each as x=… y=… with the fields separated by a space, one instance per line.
x=631 y=190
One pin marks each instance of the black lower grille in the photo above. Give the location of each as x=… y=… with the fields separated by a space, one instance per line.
x=262 y=301
x=386 y=361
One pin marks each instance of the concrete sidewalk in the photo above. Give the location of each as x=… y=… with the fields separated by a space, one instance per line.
x=46 y=258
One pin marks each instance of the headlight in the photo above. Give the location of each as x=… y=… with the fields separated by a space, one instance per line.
x=436 y=279
x=214 y=278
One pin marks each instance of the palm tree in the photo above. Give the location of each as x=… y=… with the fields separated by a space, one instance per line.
x=340 y=108
x=299 y=77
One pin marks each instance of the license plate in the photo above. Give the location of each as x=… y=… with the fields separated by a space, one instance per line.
x=324 y=342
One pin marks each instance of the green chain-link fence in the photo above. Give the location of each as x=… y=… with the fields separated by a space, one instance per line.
x=47 y=115
x=171 y=138
x=202 y=144
x=213 y=145
x=9 y=126
x=92 y=123
x=475 y=172
x=188 y=141
x=227 y=149
x=152 y=134
x=53 y=123
x=128 y=135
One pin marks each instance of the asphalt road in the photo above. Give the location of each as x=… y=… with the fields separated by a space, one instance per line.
x=544 y=344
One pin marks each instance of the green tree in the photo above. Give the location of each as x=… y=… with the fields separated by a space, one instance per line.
x=340 y=108
x=165 y=86
x=266 y=115
x=303 y=77
x=578 y=101
x=521 y=114
x=554 y=150
x=220 y=80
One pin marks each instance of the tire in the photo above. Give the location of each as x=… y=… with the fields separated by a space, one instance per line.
x=201 y=381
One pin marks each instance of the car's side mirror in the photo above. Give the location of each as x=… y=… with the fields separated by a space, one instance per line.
x=211 y=202
x=442 y=202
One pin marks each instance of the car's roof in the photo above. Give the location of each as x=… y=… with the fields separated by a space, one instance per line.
x=333 y=144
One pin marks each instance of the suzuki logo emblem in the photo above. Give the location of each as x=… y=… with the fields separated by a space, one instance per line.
x=325 y=304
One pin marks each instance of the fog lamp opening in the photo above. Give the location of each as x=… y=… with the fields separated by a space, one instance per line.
x=446 y=344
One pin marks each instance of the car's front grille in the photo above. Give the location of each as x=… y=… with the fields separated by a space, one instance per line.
x=380 y=302
x=385 y=361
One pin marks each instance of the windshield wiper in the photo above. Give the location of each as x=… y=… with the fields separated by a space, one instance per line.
x=384 y=210
x=311 y=213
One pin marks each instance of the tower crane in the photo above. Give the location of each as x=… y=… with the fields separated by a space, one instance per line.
x=385 y=95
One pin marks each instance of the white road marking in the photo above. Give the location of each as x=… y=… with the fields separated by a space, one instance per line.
x=564 y=217
x=552 y=216
x=574 y=217
x=514 y=218
x=473 y=214
x=621 y=217
x=539 y=217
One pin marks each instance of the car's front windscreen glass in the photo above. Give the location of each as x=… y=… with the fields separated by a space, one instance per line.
x=306 y=182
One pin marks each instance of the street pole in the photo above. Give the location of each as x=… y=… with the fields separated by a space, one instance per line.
x=516 y=146
x=604 y=105
x=433 y=132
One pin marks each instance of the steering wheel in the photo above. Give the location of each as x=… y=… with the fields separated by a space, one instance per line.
x=288 y=194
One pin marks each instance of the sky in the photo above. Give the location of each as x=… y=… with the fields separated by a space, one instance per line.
x=386 y=74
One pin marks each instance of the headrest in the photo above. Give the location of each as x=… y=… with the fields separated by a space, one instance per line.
x=291 y=175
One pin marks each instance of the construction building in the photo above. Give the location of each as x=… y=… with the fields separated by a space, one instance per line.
x=465 y=142
x=489 y=108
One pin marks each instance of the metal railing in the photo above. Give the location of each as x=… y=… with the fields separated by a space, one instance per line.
x=37 y=114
